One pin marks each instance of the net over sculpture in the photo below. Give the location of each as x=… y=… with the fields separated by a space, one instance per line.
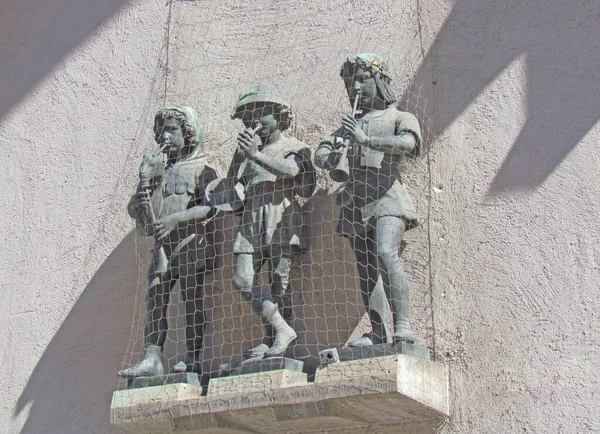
x=376 y=209
x=169 y=205
x=273 y=168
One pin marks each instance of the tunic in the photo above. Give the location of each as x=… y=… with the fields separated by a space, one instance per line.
x=374 y=188
x=271 y=215
x=191 y=244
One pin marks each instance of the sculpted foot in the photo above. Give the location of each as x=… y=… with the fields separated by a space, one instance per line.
x=284 y=337
x=180 y=367
x=364 y=341
x=151 y=365
x=191 y=363
x=404 y=336
x=257 y=352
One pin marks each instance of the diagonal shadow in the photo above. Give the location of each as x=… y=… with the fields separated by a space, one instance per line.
x=480 y=38
x=36 y=34
x=74 y=374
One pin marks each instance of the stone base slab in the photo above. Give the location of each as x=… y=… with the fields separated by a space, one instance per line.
x=161 y=380
x=392 y=394
x=380 y=350
x=253 y=366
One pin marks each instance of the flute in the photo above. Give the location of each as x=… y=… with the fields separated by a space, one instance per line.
x=145 y=182
x=340 y=172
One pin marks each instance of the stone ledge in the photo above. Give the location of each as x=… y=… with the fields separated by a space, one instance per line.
x=383 y=394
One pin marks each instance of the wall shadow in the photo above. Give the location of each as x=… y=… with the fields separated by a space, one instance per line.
x=36 y=34
x=71 y=386
x=480 y=38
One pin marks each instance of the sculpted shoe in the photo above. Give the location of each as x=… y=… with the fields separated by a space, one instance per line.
x=188 y=364
x=284 y=334
x=283 y=338
x=149 y=366
x=180 y=367
x=257 y=352
x=364 y=341
x=404 y=335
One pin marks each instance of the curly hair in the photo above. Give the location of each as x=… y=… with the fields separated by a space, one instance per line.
x=190 y=134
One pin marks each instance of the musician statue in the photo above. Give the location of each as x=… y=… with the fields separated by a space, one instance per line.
x=273 y=168
x=169 y=205
x=376 y=209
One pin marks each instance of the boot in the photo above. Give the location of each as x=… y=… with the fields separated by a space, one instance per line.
x=364 y=341
x=284 y=334
x=257 y=352
x=151 y=365
x=402 y=331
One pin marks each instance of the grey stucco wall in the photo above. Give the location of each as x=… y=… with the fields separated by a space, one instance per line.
x=509 y=97
x=78 y=79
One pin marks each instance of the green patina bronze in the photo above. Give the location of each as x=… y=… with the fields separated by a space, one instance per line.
x=376 y=209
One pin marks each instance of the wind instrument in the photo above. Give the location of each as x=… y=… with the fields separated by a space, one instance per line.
x=340 y=172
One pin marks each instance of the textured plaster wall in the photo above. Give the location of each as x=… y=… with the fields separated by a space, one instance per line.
x=516 y=246
x=509 y=99
x=81 y=77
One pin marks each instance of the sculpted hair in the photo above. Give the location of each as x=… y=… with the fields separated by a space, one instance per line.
x=190 y=134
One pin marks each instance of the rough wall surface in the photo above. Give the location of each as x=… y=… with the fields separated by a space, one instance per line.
x=68 y=272
x=509 y=98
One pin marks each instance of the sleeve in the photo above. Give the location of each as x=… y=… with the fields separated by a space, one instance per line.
x=326 y=155
x=237 y=163
x=305 y=181
x=141 y=224
x=205 y=177
x=224 y=194
x=408 y=123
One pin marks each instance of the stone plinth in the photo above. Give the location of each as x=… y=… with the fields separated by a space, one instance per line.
x=381 y=350
x=392 y=394
x=253 y=366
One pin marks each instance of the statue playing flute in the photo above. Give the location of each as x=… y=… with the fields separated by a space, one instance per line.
x=170 y=205
x=273 y=168
x=376 y=209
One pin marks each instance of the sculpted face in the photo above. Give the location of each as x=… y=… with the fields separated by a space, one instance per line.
x=171 y=135
x=357 y=79
x=263 y=113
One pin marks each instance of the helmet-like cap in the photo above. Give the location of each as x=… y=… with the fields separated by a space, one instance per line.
x=260 y=93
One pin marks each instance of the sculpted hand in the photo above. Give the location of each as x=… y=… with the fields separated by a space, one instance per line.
x=249 y=142
x=150 y=165
x=353 y=131
x=143 y=199
x=162 y=227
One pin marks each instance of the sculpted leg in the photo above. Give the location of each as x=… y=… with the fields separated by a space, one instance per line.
x=193 y=298
x=284 y=334
x=245 y=280
x=388 y=235
x=371 y=291
x=281 y=264
x=280 y=315
x=155 y=331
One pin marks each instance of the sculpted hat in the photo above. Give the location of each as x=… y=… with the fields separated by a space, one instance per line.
x=260 y=93
x=375 y=64
x=369 y=62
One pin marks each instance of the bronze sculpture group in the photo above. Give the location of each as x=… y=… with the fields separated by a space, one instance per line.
x=178 y=194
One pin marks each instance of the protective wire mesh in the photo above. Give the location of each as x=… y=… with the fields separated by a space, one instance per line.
x=218 y=263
